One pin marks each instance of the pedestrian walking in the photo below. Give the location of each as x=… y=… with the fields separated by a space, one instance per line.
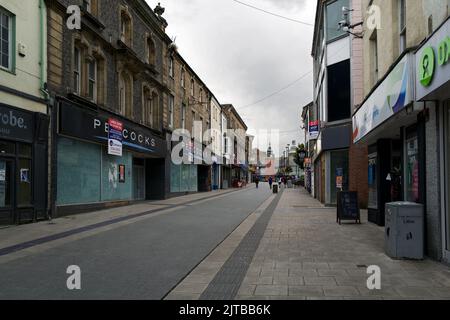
x=257 y=181
x=270 y=183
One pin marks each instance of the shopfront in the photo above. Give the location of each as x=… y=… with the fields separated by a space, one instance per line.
x=23 y=165
x=90 y=175
x=392 y=125
x=433 y=87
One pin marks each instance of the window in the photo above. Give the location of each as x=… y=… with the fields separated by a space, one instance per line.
x=6 y=40
x=183 y=78
x=92 y=81
x=171 y=105
x=402 y=19
x=412 y=167
x=192 y=87
x=183 y=116
x=147 y=107
x=126 y=29
x=374 y=57
x=91 y=6
x=87 y=5
x=77 y=70
x=156 y=123
x=171 y=70
x=334 y=16
x=339 y=100
x=200 y=98
x=151 y=52
x=125 y=94
x=193 y=124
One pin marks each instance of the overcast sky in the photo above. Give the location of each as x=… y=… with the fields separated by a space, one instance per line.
x=244 y=55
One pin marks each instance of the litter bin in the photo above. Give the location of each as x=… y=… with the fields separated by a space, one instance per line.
x=275 y=188
x=404 y=230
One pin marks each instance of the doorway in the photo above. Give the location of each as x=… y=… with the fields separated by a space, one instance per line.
x=7 y=191
x=138 y=179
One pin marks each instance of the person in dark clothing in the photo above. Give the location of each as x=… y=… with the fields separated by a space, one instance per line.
x=270 y=182
x=257 y=181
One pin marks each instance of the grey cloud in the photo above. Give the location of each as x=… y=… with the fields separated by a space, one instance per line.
x=244 y=55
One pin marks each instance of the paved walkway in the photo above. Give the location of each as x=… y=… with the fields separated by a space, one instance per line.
x=305 y=254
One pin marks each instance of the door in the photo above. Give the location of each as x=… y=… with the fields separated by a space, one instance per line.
x=138 y=182
x=6 y=191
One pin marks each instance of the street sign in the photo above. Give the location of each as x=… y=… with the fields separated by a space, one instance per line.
x=115 y=137
x=313 y=130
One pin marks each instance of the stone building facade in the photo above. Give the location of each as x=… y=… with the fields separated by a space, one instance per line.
x=112 y=68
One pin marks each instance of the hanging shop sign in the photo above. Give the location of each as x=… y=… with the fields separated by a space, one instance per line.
x=313 y=130
x=115 y=137
x=390 y=97
x=433 y=66
x=94 y=126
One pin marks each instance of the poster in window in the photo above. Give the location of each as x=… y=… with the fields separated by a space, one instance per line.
x=25 y=175
x=121 y=173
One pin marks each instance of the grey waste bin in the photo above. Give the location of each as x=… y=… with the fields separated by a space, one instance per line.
x=404 y=230
x=275 y=188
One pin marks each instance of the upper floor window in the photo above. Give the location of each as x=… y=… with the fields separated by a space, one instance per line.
x=91 y=6
x=151 y=52
x=192 y=87
x=200 y=98
x=126 y=94
x=6 y=40
x=77 y=70
x=183 y=78
x=183 y=116
x=334 y=16
x=151 y=108
x=126 y=28
x=92 y=79
x=171 y=107
x=402 y=20
x=171 y=69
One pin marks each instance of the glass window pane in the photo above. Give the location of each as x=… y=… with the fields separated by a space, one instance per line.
x=334 y=16
x=24 y=186
x=6 y=183
x=7 y=147
x=412 y=170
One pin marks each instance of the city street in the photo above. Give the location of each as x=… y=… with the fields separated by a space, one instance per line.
x=140 y=260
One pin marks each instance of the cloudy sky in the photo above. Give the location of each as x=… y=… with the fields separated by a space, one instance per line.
x=244 y=55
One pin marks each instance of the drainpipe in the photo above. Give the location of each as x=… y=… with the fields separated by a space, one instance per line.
x=42 y=14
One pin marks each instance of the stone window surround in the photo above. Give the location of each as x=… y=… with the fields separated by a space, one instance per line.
x=127 y=36
x=89 y=52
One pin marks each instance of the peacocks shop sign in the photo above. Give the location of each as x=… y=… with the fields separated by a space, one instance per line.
x=433 y=66
x=104 y=127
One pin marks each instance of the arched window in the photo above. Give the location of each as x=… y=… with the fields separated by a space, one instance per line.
x=156 y=123
x=100 y=77
x=91 y=6
x=147 y=107
x=125 y=94
x=126 y=28
x=151 y=52
x=183 y=78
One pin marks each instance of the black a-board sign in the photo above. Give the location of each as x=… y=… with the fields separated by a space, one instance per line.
x=348 y=207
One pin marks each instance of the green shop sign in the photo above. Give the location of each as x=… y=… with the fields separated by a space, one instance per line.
x=427 y=62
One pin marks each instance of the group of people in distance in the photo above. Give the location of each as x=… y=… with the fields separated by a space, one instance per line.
x=280 y=181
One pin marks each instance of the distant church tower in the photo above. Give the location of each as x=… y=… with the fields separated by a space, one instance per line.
x=269 y=151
